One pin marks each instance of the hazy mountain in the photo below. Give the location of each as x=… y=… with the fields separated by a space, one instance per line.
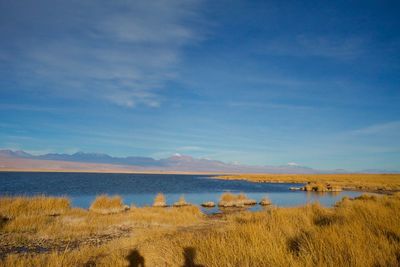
x=16 y=153
x=176 y=162
x=99 y=158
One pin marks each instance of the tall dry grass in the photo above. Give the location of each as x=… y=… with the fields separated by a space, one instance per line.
x=360 y=232
x=160 y=200
x=181 y=202
x=74 y=224
x=232 y=200
x=12 y=207
x=106 y=205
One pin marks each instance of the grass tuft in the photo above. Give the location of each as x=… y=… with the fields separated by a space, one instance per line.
x=160 y=200
x=231 y=200
x=107 y=205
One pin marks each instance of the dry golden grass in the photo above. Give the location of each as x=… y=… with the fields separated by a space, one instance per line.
x=160 y=200
x=12 y=207
x=232 y=200
x=227 y=197
x=106 y=205
x=181 y=202
x=372 y=182
x=360 y=232
x=75 y=224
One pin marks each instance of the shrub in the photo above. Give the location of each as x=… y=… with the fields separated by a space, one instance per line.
x=231 y=200
x=107 y=205
x=159 y=201
x=181 y=202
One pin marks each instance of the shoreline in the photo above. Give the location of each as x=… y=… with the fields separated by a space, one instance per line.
x=359 y=182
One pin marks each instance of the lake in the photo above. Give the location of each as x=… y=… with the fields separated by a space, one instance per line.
x=140 y=189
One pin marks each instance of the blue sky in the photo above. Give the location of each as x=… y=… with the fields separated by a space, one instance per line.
x=314 y=83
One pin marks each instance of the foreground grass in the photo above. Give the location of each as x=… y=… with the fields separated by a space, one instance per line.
x=360 y=232
x=366 y=182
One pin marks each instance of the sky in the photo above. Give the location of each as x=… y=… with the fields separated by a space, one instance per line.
x=313 y=83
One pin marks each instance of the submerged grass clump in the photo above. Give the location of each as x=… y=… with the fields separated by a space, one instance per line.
x=232 y=200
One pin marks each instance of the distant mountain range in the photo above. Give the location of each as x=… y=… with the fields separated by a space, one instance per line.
x=19 y=159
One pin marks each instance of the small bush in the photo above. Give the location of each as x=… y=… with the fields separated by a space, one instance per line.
x=231 y=200
x=181 y=202
x=107 y=205
x=159 y=201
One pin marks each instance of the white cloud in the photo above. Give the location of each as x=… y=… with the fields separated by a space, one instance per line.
x=120 y=51
x=293 y=164
x=392 y=127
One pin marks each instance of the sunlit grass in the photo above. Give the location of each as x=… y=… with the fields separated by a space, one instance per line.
x=160 y=200
x=105 y=205
x=364 y=231
x=384 y=182
x=232 y=200
x=11 y=207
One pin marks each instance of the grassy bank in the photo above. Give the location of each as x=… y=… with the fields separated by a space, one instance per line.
x=356 y=232
x=363 y=182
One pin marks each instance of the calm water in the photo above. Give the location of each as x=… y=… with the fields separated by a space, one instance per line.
x=140 y=189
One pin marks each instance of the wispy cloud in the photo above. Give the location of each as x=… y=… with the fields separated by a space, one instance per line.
x=122 y=52
x=242 y=104
x=326 y=46
x=190 y=148
x=381 y=128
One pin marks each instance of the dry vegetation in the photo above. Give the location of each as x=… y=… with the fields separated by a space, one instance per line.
x=365 y=182
x=181 y=202
x=107 y=205
x=360 y=232
x=232 y=200
x=11 y=207
x=160 y=201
